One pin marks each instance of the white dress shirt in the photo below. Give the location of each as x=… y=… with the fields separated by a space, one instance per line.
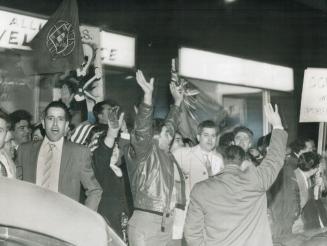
x=55 y=165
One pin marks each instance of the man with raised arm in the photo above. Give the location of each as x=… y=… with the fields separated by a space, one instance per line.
x=231 y=208
x=152 y=170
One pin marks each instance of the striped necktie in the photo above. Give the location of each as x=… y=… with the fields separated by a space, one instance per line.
x=46 y=175
x=3 y=170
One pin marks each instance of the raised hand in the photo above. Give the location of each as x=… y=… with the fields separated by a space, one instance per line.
x=114 y=125
x=113 y=117
x=123 y=127
x=273 y=116
x=146 y=86
x=177 y=93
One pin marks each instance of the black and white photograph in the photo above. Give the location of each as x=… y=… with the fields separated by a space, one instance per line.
x=163 y=123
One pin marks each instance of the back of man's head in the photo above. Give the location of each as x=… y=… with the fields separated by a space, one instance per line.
x=234 y=155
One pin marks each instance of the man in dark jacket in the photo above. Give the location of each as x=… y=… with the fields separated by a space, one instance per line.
x=111 y=177
x=153 y=170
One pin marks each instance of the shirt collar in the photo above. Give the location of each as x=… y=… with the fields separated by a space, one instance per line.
x=58 y=144
x=205 y=152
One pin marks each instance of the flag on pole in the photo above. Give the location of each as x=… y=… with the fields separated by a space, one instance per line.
x=199 y=103
x=58 y=46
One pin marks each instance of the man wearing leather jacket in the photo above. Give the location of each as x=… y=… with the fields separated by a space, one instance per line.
x=157 y=182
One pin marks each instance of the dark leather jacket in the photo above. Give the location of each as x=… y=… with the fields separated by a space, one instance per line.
x=150 y=169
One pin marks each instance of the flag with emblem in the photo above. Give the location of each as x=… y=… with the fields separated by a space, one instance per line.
x=58 y=46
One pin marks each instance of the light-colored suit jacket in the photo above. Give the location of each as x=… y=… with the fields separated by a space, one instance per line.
x=75 y=169
x=192 y=163
x=230 y=209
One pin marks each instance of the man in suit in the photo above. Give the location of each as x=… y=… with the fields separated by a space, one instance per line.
x=231 y=208
x=201 y=161
x=58 y=164
x=198 y=163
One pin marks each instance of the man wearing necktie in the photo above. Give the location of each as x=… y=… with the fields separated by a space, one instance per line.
x=198 y=163
x=57 y=164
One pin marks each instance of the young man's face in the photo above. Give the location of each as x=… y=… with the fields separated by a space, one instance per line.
x=165 y=139
x=177 y=143
x=207 y=139
x=3 y=132
x=309 y=146
x=22 y=132
x=55 y=124
x=243 y=140
x=104 y=115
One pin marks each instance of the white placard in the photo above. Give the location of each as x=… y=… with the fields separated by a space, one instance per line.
x=16 y=30
x=314 y=96
x=117 y=50
x=216 y=67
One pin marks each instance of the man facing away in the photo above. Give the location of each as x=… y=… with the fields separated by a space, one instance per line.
x=151 y=168
x=57 y=164
x=231 y=208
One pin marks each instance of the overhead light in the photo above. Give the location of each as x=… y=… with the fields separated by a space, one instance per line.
x=229 y=1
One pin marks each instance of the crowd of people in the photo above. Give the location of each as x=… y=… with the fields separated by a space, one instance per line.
x=155 y=187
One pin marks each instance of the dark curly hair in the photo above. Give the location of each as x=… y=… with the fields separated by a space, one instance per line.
x=308 y=161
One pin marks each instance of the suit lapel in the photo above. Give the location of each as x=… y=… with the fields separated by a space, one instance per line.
x=34 y=154
x=65 y=157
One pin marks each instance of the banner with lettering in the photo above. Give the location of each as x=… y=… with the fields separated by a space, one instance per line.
x=17 y=30
x=314 y=96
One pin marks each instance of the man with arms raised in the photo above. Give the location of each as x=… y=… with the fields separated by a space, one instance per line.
x=151 y=168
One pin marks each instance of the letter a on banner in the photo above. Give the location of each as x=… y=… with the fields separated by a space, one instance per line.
x=58 y=47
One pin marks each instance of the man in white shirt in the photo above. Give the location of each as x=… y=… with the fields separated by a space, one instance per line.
x=57 y=164
x=198 y=163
